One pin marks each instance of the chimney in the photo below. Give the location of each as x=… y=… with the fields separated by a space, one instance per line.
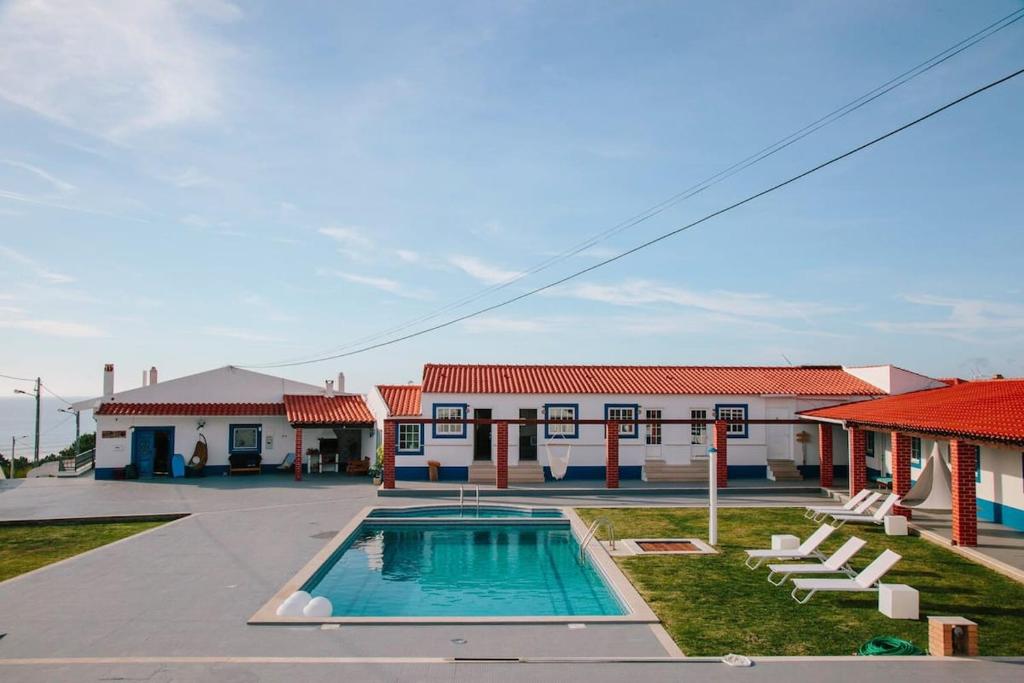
x=144 y=376
x=341 y=382
x=330 y=387
x=152 y=375
x=108 y=379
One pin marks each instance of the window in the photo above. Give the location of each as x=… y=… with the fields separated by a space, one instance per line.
x=869 y=444
x=245 y=438
x=410 y=439
x=698 y=432
x=449 y=411
x=733 y=411
x=561 y=411
x=625 y=415
x=915 y=452
x=653 y=430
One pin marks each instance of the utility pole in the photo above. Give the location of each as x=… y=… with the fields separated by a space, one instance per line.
x=12 y=457
x=39 y=383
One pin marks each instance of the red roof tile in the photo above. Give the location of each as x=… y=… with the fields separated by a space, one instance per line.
x=988 y=410
x=403 y=400
x=326 y=410
x=196 y=409
x=631 y=379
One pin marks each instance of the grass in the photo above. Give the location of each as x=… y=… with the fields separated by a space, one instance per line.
x=24 y=548
x=713 y=605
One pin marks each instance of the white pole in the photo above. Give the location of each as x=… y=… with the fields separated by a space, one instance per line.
x=713 y=496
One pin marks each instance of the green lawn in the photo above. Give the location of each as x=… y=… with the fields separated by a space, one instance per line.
x=712 y=604
x=24 y=548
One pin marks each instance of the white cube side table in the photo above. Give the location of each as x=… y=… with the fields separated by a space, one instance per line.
x=785 y=542
x=898 y=601
x=895 y=525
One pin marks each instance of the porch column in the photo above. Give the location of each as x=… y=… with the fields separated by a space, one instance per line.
x=611 y=468
x=388 y=477
x=825 y=469
x=962 y=458
x=720 y=440
x=900 y=470
x=858 y=462
x=501 y=471
x=298 y=454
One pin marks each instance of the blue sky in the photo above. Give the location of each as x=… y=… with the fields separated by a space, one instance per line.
x=193 y=184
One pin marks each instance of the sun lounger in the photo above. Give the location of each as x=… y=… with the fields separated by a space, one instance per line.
x=867 y=580
x=818 y=511
x=808 y=548
x=877 y=518
x=836 y=563
x=288 y=462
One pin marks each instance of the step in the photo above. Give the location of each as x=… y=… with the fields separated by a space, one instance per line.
x=784 y=470
x=659 y=470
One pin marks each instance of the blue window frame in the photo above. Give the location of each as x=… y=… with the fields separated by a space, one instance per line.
x=409 y=438
x=449 y=411
x=977 y=464
x=561 y=411
x=626 y=415
x=915 y=452
x=869 y=444
x=247 y=438
x=733 y=411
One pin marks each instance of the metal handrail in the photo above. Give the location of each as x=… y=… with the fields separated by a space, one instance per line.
x=462 y=496
x=478 y=500
x=592 y=531
x=72 y=463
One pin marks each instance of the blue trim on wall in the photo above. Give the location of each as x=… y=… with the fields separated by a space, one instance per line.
x=258 y=450
x=814 y=471
x=748 y=471
x=444 y=473
x=746 y=416
x=636 y=415
x=576 y=427
x=594 y=472
x=1006 y=515
x=414 y=451
x=465 y=410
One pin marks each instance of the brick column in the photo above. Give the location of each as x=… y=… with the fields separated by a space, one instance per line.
x=611 y=469
x=900 y=470
x=390 y=433
x=720 y=440
x=962 y=457
x=298 y=454
x=858 y=462
x=825 y=469
x=501 y=471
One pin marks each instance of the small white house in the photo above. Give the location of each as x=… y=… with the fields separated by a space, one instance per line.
x=623 y=393
x=235 y=412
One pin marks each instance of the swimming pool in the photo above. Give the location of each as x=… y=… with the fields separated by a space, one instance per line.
x=469 y=570
x=466 y=512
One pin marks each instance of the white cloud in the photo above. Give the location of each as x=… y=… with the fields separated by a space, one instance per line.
x=239 y=334
x=114 y=68
x=61 y=186
x=484 y=272
x=190 y=177
x=33 y=265
x=351 y=237
x=382 y=283
x=969 y=320
x=52 y=328
x=407 y=255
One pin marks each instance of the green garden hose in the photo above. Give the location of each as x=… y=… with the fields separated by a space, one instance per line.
x=889 y=646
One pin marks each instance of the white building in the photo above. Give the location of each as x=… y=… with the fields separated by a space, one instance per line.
x=236 y=412
x=624 y=393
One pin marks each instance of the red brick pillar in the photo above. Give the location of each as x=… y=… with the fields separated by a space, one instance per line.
x=390 y=433
x=858 y=460
x=900 y=470
x=298 y=454
x=962 y=457
x=825 y=469
x=502 y=469
x=611 y=470
x=720 y=440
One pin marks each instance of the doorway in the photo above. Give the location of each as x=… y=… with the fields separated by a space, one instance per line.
x=527 y=435
x=152 y=448
x=482 y=435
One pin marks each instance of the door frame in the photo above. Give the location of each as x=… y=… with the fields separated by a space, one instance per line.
x=477 y=430
x=154 y=430
x=527 y=428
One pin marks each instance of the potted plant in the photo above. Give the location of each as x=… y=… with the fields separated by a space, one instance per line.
x=377 y=470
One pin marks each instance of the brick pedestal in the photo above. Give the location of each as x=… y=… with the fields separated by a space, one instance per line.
x=501 y=471
x=962 y=458
x=298 y=454
x=611 y=471
x=825 y=468
x=941 y=639
x=858 y=461
x=390 y=437
x=720 y=440
x=901 y=470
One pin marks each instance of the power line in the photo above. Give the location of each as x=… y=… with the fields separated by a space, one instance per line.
x=55 y=394
x=666 y=235
x=693 y=190
x=19 y=379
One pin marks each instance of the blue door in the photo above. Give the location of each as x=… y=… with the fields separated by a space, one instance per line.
x=151 y=445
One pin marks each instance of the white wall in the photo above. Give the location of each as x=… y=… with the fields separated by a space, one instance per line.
x=893 y=380
x=1001 y=476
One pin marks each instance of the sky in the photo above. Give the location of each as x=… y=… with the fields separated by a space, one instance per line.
x=193 y=184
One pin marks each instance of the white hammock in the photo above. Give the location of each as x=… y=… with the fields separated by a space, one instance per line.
x=933 y=488
x=558 y=464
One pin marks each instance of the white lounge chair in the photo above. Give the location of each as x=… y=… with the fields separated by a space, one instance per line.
x=867 y=580
x=877 y=518
x=288 y=462
x=836 y=563
x=820 y=511
x=808 y=548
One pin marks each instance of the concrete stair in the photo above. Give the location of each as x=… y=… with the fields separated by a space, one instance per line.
x=784 y=470
x=659 y=470
x=484 y=472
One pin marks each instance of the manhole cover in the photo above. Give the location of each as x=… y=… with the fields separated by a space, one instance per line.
x=325 y=534
x=667 y=546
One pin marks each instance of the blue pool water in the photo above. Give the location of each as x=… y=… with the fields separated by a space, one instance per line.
x=469 y=511
x=467 y=570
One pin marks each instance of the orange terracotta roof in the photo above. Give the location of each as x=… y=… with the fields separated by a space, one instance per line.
x=191 y=409
x=643 y=379
x=403 y=400
x=987 y=410
x=327 y=410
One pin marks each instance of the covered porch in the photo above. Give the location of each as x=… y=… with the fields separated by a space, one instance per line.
x=332 y=434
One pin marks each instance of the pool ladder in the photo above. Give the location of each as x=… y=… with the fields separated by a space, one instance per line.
x=462 y=499
x=592 y=531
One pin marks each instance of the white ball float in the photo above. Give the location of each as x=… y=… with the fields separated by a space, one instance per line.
x=293 y=604
x=318 y=607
